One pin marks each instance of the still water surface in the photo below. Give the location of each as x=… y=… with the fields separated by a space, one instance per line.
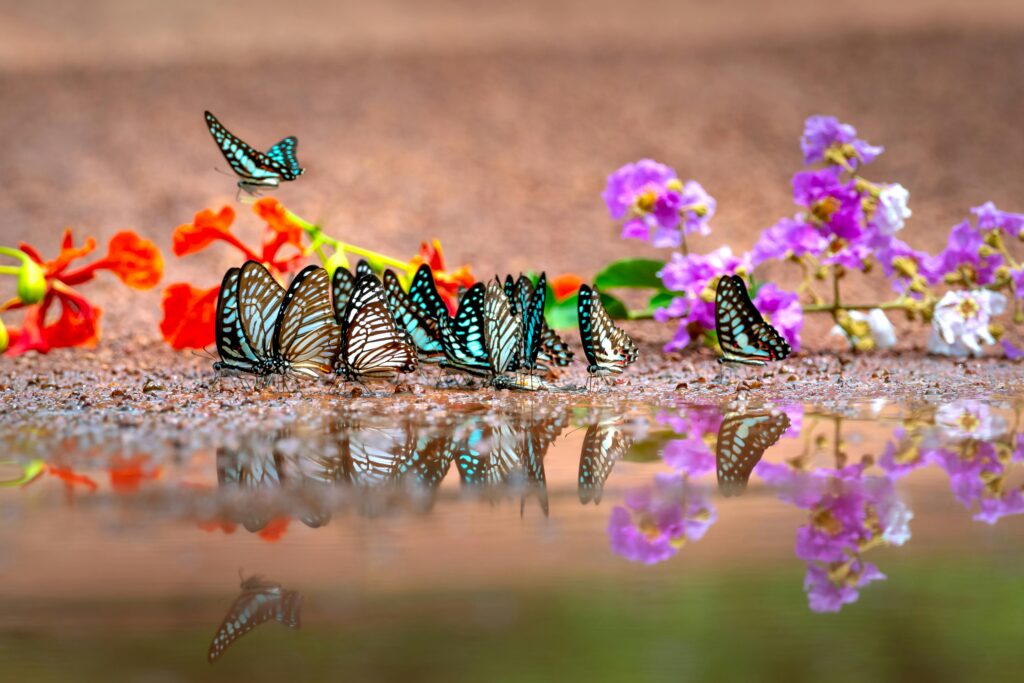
x=520 y=539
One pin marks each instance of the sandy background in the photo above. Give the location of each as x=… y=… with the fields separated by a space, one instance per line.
x=490 y=126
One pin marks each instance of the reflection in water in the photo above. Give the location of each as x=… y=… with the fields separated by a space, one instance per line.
x=260 y=601
x=605 y=442
x=742 y=440
x=657 y=520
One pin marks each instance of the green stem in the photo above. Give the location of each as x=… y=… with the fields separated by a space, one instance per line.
x=9 y=270
x=14 y=253
x=835 y=308
x=319 y=238
x=369 y=254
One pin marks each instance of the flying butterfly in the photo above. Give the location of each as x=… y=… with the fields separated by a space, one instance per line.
x=372 y=345
x=743 y=334
x=256 y=169
x=603 y=445
x=742 y=441
x=424 y=330
x=306 y=336
x=260 y=601
x=608 y=349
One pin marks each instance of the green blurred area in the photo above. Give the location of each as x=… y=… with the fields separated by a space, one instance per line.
x=956 y=620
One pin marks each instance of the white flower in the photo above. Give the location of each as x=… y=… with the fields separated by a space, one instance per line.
x=892 y=209
x=968 y=419
x=896 y=529
x=882 y=330
x=961 y=321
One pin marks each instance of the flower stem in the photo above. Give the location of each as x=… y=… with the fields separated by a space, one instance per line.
x=835 y=308
x=319 y=238
x=14 y=253
x=9 y=270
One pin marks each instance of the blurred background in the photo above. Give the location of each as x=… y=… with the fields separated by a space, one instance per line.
x=491 y=126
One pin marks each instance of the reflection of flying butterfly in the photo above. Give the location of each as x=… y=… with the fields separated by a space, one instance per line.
x=743 y=334
x=343 y=283
x=256 y=169
x=462 y=337
x=261 y=601
x=306 y=337
x=372 y=346
x=608 y=349
x=424 y=330
x=604 y=443
x=232 y=344
x=742 y=440
x=423 y=294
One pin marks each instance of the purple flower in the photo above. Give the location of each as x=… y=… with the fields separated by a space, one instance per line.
x=963 y=249
x=635 y=186
x=833 y=204
x=656 y=204
x=823 y=134
x=828 y=594
x=692 y=273
x=1017 y=277
x=698 y=208
x=991 y=218
x=783 y=311
x=656 y=521
x=788 y=236
x=1012 y=352
x=689 y=456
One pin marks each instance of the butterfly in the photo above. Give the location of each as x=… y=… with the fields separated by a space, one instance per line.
x=537 y=437
x=258 y=300
x=502 y=331
x=462 y=338
x=232 y=344
x=343 y=283
x=423 y=295
x=608 y=349
x=372 y=456
x=261 y=601
x=256 y=169
x=372 y=346
x=604 y=444
x=551 y=350
x=488 y=456
x=743 y=334
x=742 y=441
x=306 y=337
x=424 y=330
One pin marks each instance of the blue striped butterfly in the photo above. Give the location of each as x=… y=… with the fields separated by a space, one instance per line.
x=343 y=283
x=424 y=330
x=372 y=345
x=260 y=601
x=423 y=294
x=306 y=336
x=462 y=337
x=488 y=456
x=532 y=306
x=551 y=349
x=742 y=441
x=608 y=349
x=743 y=335
x=256 y=169
x=232 y=345
x=502 y=331
x=604 y=444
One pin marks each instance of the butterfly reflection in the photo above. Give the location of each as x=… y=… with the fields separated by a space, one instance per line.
x=260 y=601
x=742 y=441
x=605 y=442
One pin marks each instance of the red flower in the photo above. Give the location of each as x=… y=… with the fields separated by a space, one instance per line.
x=127 y=474
x=565 y=286
x=448 y=283
x=135 y=261
x=189 y=312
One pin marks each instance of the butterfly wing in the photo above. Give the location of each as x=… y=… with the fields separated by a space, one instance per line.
x=428 y=463
x=502 y=331
x=306 y=336
x=462 y=338
x=232 y=346
x=553 y=351
x=260 y=602
x=743 y=334
x=742 y=441
x=363 y=268
x=373 y=456
x=342 y=286
x=603 y=445
x=372 y=344
x=259 y=304
x=608 y=349
x=283 y=154
x=249 y=163
x=425 y=331
x=423 y=294
x=533 y=322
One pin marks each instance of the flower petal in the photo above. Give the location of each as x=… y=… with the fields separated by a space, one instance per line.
x=188 y=321
x=205 y=228
x=136 y=261
x=565 y=285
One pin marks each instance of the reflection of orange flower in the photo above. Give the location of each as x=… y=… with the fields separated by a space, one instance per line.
x=448 y=283
x=135 y=261
x=275 y=529
x=71 y=478
x=127 y=474
x=189 y=313
x=565 y=286
x=212 y=525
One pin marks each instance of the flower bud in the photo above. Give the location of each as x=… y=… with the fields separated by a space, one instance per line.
x=905 y=266
x=1018 y=317
x=993 y=239
x=821 y=273
x=953 y=278
x=675 y=185
x=31 y=282
x=1020 y=235
x=985 y=251
x=996 y=330
x=917 y=286
x=5 y=338
x=335 y=261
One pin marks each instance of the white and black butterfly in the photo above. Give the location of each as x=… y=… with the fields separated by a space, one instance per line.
x=604 y=444
x=608 y=349
x=306 y=337
x=248 y=306
x=256 y=169
x=742 y=441
x=232 y=344
x=372 y=345
x=260 y=601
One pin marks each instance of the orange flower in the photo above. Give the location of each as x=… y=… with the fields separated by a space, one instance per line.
x=284 y=229
x=189 y=314
x=206 y=228
x=136 y=261
x=448 y=283
x=565 y=286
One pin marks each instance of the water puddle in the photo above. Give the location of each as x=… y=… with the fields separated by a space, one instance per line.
x=495 y=520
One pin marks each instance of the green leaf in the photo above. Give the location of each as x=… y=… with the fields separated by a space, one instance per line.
x=561 y=315
x=633 y=272
x=616 y=309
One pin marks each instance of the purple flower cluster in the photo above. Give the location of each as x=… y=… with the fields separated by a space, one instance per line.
x=656 y=205
x=657 y=520
x=849 y=513
x=826 y=139
x=964 y=250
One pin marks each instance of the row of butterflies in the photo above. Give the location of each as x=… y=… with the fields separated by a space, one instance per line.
x=362 y=328
x=358 y=327
x=470 y=345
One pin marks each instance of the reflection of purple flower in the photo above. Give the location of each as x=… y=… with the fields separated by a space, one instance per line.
x=828 y=594
x=656 y=521
x=824 y=132
x=689 y=456
x=783 y=310
x=969 y=419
